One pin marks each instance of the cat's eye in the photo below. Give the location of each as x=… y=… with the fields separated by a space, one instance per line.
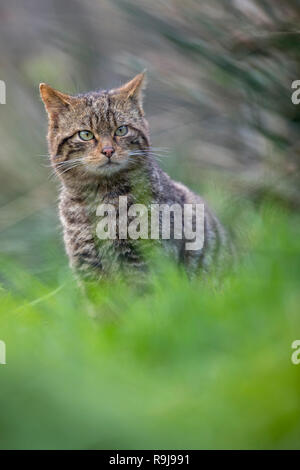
x=122 y=130
x=86 y=135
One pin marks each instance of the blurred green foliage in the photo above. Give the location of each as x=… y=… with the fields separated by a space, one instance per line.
x=184 y=365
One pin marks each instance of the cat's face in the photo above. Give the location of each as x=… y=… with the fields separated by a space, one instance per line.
x=99 y=133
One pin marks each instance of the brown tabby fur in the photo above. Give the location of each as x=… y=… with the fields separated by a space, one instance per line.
x=87 y=179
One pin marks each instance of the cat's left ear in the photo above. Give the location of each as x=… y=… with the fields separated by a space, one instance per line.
x=134 y=89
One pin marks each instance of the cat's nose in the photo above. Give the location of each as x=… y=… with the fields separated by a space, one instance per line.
x=108 y=151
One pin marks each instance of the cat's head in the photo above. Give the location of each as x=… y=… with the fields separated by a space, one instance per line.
x=98 y=133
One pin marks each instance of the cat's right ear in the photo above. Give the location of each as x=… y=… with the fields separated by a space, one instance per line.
x=55 y=102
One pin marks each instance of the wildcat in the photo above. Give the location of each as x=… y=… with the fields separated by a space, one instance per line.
x=100 y=148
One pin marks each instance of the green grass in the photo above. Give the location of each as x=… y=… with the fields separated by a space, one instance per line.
x=184 y=365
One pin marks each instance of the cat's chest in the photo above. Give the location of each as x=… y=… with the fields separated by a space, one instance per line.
x=110 y=216
x=109 y=206
x=122 y=226
x=109 y=222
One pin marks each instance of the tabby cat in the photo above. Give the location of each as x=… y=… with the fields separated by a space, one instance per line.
x=100 y=149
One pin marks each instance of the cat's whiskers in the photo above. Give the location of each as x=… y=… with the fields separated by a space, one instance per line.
x=68 y=162
x=65 y=166
x=71 y=167
x=153 y=149
x=47 y=165
x=158 y=149
x=147 y=152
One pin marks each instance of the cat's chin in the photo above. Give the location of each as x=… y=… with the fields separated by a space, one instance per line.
x=107 y=169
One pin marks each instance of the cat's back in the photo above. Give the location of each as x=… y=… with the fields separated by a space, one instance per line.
x=218 y=247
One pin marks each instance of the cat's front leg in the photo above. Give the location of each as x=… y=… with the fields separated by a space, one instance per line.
x=79 y=239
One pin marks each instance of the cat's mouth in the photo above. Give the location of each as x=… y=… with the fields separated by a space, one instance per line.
x=106 y=167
